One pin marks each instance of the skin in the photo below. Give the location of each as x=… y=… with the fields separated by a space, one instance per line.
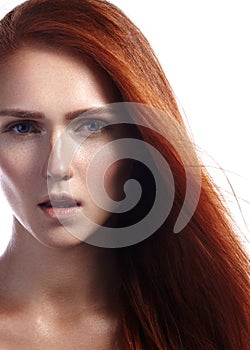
x=55 y=290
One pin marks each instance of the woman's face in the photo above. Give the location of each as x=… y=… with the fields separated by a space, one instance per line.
x=55 y=87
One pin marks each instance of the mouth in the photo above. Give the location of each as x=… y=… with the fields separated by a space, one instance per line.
x=59 y=206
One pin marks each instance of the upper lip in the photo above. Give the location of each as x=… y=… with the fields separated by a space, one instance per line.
x=59 y=198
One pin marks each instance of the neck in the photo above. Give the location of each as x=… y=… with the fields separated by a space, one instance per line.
x=63 y=280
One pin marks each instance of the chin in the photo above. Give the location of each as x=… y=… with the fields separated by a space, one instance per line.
x=60 y=242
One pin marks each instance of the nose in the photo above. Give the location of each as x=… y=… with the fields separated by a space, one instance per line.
x=58 y=163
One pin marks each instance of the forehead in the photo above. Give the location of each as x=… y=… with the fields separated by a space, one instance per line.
x=38 y=73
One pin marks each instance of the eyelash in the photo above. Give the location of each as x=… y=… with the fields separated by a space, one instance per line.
x=38 y=129
x=11 y=127
x=88 y=122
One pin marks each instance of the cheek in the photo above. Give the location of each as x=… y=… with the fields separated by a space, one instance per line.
x=19 y=161
x=115 y=178
x=18 y=165
x=99 y=171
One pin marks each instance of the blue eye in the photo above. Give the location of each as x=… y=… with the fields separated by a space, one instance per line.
x=23 y=127
x=91 y=126
x=94 y=126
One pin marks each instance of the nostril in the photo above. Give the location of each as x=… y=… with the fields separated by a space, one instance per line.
x=66 y=177
x=58 y=162
x=58 y=176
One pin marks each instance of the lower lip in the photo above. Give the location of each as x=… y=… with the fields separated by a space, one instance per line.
x=59 y=213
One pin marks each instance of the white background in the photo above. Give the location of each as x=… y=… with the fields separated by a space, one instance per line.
x=203 y=47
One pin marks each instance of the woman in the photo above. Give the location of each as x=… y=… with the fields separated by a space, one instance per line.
x=184 y=291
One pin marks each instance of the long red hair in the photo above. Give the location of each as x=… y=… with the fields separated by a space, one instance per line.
x=186 y=291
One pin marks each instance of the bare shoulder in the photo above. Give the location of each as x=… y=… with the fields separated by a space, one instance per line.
x=22 y=334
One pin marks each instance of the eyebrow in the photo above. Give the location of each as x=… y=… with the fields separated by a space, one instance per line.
x=19 y=113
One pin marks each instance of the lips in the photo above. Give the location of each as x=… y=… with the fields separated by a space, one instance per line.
x=59 y=200
x=59 y=205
